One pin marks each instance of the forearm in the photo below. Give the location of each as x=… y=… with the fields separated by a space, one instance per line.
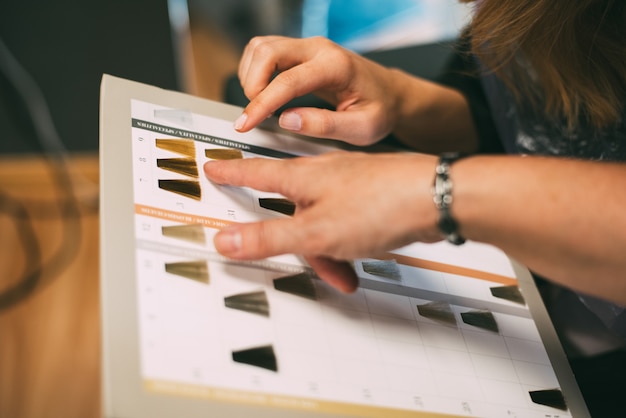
x=432 y=118
x=564 y=219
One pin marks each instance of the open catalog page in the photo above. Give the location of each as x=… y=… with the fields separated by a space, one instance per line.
x=433 y=330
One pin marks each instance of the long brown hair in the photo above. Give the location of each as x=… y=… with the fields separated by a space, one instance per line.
x=576 y=50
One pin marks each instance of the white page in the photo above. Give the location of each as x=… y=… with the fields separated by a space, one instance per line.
x=424 y=335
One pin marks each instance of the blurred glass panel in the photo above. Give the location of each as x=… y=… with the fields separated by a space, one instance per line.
x=362 y=25
x=367 y=25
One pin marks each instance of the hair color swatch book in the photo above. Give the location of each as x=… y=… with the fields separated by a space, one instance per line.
x=433 y=330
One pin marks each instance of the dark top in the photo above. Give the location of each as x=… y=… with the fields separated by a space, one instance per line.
x=505 y=125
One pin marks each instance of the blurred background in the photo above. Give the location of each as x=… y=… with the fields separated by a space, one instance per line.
x=52 y=57
x=66 y=46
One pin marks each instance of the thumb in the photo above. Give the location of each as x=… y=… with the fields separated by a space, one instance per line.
x=253 y=241
x=357 y=127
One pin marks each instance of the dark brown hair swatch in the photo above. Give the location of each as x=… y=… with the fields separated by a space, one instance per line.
x=281 y=205
x=194 y=270
x=263 y=357
x=437 y=311
x=180 y=146
x=187 y=188
x=383 y=268
x=252 y=302
x=298 y=284
x=184 y=166
x=549 y=397
x=511 y=293
x=480 y=319
x=193 y=233
x=223 y=154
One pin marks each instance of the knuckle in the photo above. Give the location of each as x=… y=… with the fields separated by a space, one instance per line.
x=263 y=237
x=260 y=103
x=324 y=43
x=289 y=181
x=255 y=41
x=370 y=133
x=286 y=78
x=265 y=50
x=315 y=243
x=341 y=58
x=256 y=242
x=317 y=239
x=381 y=123
x=293 y=173
x=288 y=81
x=326 y=123
x=251 y=91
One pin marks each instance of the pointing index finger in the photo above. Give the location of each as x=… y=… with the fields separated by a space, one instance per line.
x=275 y=70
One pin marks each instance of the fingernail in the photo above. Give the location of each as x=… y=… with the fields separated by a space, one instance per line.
x=290 y=121
x=228 y=241
x=241 y=120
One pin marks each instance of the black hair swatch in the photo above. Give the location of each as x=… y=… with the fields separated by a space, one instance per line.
x=480 y=319
x=300 y=284
x=263 y=357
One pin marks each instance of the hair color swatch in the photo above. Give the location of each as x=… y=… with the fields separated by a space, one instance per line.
x=383 y=268
x=549 y=397
x=437 y=311
x=252 y=302
x=184 y=166
x=192 y=233
x=299 y=284
x=480 y=319
x=187 y=188
x=263 y=357
x=185 y=147
x=284 y=206
x=510 y=293
x=223 y=154
x=194 y=270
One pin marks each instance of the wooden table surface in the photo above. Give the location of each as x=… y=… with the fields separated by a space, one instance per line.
x=50 y=341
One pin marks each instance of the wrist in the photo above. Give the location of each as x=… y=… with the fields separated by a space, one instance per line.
x=431 y=118
x=412 y=100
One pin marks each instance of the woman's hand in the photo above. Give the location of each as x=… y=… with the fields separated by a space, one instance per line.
x=560 y=217
x=370 y=100
x=273 y=70
x=348 y=205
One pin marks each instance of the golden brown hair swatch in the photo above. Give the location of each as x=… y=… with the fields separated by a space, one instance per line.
x=437 y=311
x=383 y=268
x=300 y=284
x=187 y=188
x=197 y=270
x=263 y=357
x=185 y=147
x=193 y=233
x=481 y=319
x=184 y=166
x=252 y=302
x=223 y=154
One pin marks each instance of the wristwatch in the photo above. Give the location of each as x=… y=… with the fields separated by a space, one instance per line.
x=442 y=197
